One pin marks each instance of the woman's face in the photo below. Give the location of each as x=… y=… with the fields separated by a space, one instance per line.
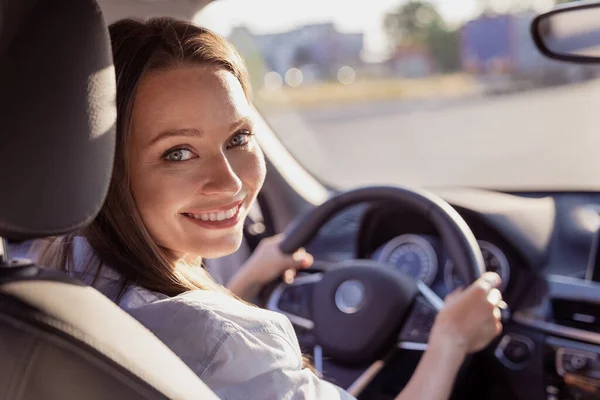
x=195 y=165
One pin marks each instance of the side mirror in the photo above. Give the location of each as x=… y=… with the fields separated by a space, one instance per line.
x=570 y=32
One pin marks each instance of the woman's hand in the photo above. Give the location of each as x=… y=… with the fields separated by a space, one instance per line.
x=266 y=264
x=470 y=319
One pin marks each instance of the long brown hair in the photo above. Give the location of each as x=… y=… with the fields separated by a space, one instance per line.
x=118 y=236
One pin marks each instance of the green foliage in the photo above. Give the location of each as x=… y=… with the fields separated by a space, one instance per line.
x=418 y=22
x=444 y=45
x=411 y=22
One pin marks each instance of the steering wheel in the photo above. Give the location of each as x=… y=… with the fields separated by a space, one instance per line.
x=358 y=310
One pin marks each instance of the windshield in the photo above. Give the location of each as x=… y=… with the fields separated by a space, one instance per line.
x=420 y=93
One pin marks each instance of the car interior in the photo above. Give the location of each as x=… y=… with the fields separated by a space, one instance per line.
x=364 y=322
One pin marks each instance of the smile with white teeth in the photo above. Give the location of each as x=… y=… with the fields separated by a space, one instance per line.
x=215 y=216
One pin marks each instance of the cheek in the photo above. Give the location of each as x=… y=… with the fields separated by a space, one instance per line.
x=250 y=168
x=157 y=193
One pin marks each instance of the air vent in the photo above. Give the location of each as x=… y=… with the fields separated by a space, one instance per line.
x=576 y=314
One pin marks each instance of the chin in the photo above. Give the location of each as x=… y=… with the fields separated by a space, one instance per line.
x=219 y=248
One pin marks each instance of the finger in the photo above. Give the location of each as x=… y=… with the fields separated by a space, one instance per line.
x=289 y=275
x=493 y=279
x=308 y=261
x=302 y=259
x=494 y=297
x=498 y=327
x=497 y=314
x=489 y=281
x=299 y=255
x=492 y=329
x=273 y=241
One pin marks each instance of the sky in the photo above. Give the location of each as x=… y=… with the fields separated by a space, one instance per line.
x=268 y=16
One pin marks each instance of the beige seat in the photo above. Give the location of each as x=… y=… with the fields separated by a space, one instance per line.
x=60 y=339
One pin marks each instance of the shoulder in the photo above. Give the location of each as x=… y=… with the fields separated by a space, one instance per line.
x=245 y=316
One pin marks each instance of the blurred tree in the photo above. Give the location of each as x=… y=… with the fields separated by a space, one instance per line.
x=418 y=22
x=557 y=2
x=444 y=45
x=410 y=23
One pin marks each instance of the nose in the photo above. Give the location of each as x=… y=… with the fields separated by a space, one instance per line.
x=219 y=178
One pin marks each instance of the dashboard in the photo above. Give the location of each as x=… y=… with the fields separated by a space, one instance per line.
x=521 y=235
x=423 y=258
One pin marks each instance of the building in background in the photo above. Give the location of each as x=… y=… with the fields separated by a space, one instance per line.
x=317 y=50
x=499 y=50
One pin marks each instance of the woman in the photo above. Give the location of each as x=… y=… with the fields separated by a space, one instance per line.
x=187 y=169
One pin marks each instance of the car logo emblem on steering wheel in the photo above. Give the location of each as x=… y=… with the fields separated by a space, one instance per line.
x=350 y=296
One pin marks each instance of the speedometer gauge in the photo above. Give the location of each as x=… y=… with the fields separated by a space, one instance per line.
x=411 y=255
x=495 y=261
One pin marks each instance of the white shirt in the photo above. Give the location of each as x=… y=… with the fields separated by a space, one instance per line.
x=238 y=350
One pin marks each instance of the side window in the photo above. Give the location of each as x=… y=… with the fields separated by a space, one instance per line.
x=20 y=249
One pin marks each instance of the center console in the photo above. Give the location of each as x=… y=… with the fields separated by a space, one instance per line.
x=565 y=314
x=572 y=370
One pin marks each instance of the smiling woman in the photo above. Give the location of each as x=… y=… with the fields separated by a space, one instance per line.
x=167 y=164
x=187 y=168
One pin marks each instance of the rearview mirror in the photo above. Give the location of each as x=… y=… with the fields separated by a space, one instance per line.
x=570 y=32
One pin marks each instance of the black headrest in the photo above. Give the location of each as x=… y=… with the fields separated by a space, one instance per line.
x=57 y=116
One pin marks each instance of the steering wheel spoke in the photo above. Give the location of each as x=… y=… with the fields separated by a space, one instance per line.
x=419 y=321
x=294 y=300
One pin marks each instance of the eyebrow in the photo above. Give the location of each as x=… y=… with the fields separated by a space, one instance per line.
x=240 y=122
x=194 y=133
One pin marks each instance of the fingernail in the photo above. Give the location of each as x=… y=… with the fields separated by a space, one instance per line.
x=299 y=255
x=494 y=297
x=492 y=278
x=288 y=276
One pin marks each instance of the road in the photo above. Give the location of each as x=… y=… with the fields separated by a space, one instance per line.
x=547 y=138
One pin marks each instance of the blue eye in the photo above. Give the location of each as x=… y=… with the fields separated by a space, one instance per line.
x=178 y=155
x=239 y=139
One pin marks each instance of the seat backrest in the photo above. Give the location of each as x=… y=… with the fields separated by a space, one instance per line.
x=60 y=339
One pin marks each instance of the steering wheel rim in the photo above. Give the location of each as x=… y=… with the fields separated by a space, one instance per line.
x=456 y=235
x=415 y=306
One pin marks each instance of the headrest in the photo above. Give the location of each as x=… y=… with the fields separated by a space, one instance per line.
x=57 y=116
